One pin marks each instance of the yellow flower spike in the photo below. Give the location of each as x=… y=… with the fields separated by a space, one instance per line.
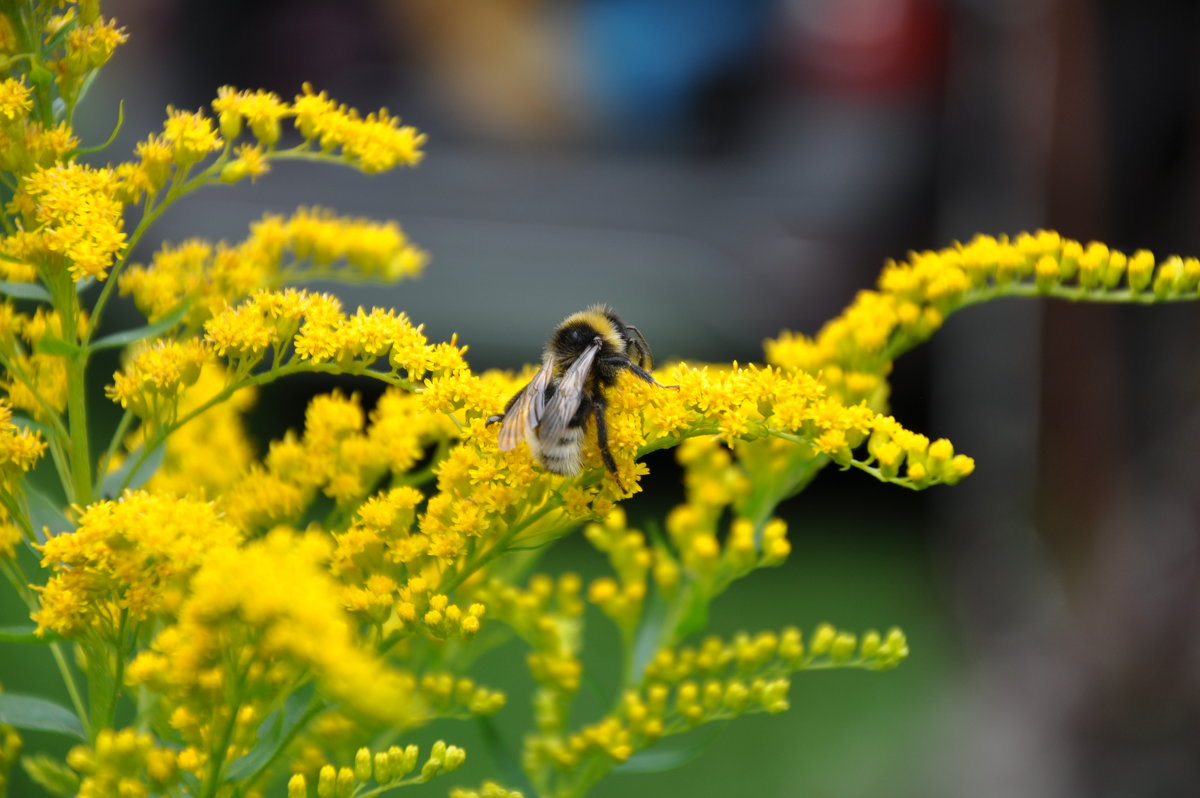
x=1047 y=273
x=363 y=764
x=871 y=644
x=843 y=647
x=1190 y=279
x=1140 y=270
x=822 y=639
x=774 y=696
x=251 y=162
x=1114 y=269
x=191 y=136
x=1168 y=278
x=344 y=784
x=297 y=786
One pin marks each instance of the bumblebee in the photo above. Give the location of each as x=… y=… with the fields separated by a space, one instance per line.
x=584 y=356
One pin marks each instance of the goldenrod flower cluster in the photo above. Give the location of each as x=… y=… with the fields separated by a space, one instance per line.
x=20 y=448
x=258 y=609
x=914 y=297
x=34 y=380
x=373 y=143
x=312 y=243
x=489 y=789
x=450 y=697
x=387 y=769
x=259 y=619
x=126 y=561
x=72 y=221
x=123 y=763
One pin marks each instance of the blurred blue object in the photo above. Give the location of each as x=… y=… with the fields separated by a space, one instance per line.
x=647 y=61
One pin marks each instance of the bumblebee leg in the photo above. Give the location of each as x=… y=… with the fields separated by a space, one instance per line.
x=645 y=375
x=507 y=406
x=637 y=342
x=598 y=408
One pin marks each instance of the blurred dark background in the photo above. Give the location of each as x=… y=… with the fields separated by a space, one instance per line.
x=720 y=170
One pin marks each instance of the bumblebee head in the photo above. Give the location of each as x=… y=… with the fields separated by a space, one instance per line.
x=580 y=331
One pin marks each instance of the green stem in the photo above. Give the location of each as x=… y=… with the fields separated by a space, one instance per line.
x=68 y=678
x=20 y=586
x=77 y=415
x=150 y=215
x=150 y=446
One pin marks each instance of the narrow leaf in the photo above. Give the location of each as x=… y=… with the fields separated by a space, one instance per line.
x=270 y=732
x=60 y=36
x=32 y=291
x=50 y=344
x=86 y=86
x=275 y=734
x=29 y=423
x=112 y=136
x=661 y=758
x=114 y=480
x=25 y=633
x=138 y=333
x=45 y=512
x=38 y=714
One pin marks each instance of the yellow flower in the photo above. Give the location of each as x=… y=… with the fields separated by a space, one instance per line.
x=374 y=144
x=129 y=556
x=262 y=109
x=190 y=135
x=265 y=614
x=77 y=218
x=90 y=47
x=15 y=99
x=157 y=375
x=20 y=447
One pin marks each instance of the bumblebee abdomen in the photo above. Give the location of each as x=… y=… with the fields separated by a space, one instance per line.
x=563 y=456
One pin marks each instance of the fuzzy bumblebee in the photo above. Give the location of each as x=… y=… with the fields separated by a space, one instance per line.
x=585 y=355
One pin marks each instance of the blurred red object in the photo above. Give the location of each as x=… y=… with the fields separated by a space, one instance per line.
x=864 y=46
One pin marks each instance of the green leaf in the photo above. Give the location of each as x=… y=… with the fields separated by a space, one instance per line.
x=61 y=35
x=29 y=423
x=138 y=333
x=33 y=291
x=506 y=757
x=51 y=775
x=24 y=633
x=114 y=480
x=50 y=344
x=696 y=617
x=649 y=636
x=274 y=735
x=269 y=735
x=662 y=758
x=38 y=714
x=45 y=512
x=86 y=86
x=112 y=136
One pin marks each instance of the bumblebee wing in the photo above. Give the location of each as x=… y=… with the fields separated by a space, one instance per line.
x=562 y=406
x=522 y=418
